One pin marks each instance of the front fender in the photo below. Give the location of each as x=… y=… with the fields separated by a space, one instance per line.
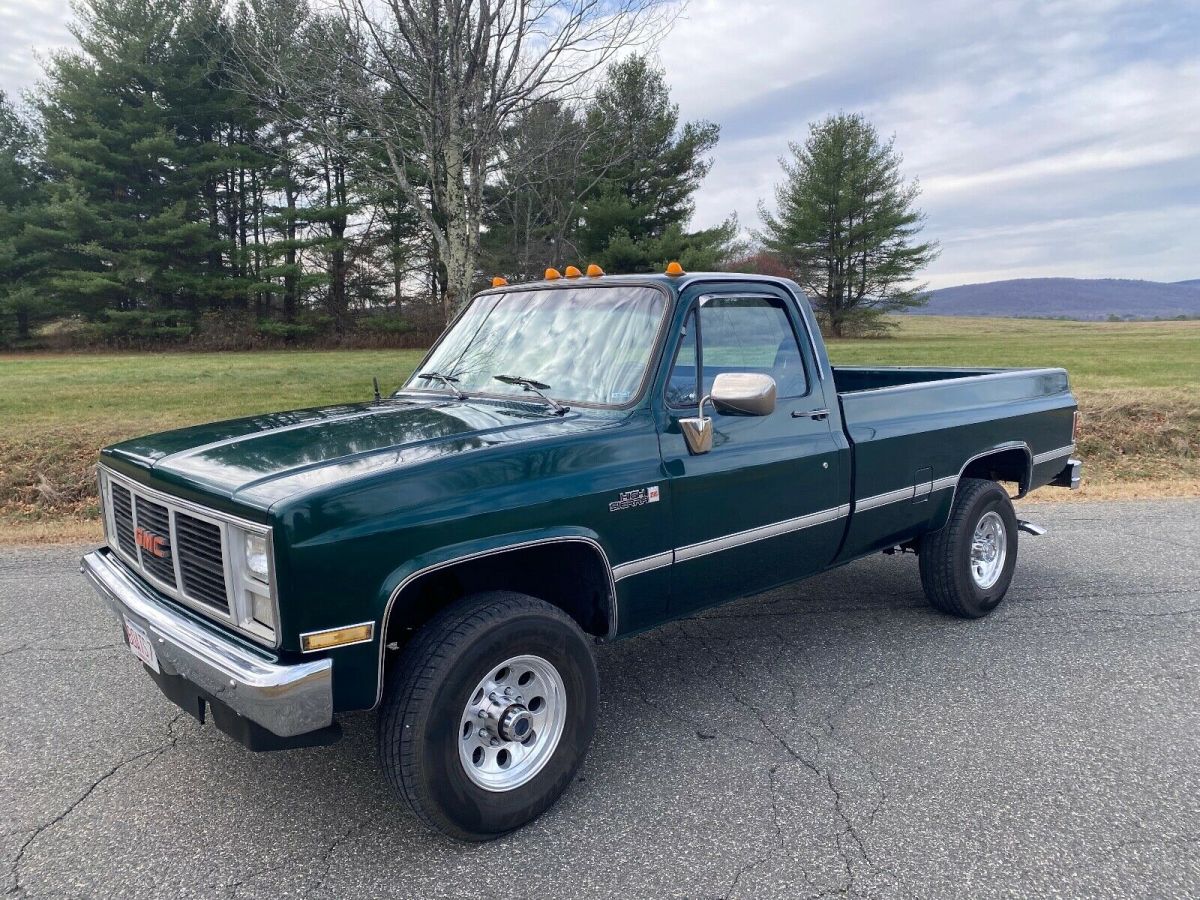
x=444 y=557
x=441 y=557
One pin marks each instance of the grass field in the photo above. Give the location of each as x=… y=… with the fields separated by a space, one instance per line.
x=1137 y=384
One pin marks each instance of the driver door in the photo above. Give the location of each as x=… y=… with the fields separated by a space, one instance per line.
x=764 y=506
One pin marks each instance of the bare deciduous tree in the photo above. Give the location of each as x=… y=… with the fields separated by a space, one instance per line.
x=441 y=79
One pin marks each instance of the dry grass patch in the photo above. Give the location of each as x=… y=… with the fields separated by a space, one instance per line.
x=1129 y=436
x=40 y=534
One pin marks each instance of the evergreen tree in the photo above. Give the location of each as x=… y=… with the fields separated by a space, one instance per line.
x=273 y=39
x=138 y=138
x=329 y=133
x=847 y=227
x=635 y=216
x=211 y=123
x=535 y=204
x=22 y=191
x=19 y=175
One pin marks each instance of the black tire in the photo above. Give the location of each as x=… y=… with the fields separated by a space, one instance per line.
x=421 y=712
x=945 y=555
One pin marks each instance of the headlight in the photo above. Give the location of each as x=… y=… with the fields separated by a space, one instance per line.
x=257 y=563
x=255 y=593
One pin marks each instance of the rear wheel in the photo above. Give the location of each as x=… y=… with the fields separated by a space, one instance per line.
x=488 y=714
x=966 y=566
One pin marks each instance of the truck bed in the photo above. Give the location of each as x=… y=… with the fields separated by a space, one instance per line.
x=914 y=431
x=869 y=378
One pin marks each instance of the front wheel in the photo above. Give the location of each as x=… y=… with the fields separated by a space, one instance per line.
x=967 y=565
x=489 y=714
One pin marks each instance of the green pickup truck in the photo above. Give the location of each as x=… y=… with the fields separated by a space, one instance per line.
x=575 y=460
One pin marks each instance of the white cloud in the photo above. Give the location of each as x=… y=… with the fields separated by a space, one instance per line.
x=27 y=28
x=1015 y=115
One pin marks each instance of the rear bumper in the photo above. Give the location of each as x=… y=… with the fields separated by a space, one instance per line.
x=1071 y=476
x=286 y=700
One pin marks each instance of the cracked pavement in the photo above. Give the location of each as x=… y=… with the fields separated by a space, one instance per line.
x=832 y=738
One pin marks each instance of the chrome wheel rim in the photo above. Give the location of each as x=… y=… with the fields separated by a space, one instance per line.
x=989 y=548
x=512 y=723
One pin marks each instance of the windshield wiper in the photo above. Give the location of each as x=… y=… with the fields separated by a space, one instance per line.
x=535 y=387
x=450 y=381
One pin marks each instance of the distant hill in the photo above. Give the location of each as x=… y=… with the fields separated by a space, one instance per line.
x=1068 y=298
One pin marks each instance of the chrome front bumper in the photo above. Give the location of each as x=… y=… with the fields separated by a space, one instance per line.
x=285 y=700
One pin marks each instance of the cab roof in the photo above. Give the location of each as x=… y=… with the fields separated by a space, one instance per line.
x=673 y=283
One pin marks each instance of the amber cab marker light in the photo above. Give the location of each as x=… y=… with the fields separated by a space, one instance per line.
x=499 y=281
x=573 y=272
x=553 y=274
x=337 y=637
x=674 y=269
x=594 y=271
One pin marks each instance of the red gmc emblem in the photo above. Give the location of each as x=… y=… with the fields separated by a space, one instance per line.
x=151 y=542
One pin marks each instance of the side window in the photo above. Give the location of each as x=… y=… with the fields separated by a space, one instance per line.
x=681 y=386
x=739 y=334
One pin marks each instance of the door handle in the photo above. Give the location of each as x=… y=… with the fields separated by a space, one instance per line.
x=817 y=414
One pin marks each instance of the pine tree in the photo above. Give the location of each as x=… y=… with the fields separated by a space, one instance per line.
x=635 y=217
x=211 y=122
x=535 y=204
x=138 y=139
x=22 y=191
x=847 y=227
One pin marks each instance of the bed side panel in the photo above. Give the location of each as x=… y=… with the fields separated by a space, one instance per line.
x=910 y=444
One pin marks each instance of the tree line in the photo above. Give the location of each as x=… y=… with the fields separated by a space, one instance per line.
x=273 y=170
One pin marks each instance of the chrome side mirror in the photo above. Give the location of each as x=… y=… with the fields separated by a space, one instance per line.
x=738 y=393
x=744 y=393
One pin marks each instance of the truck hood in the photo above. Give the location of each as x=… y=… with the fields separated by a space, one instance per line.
x=259 y=460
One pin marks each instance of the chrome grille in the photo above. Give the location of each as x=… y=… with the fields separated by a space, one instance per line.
x=156 y=519
x=203 y=565
x=201 y=560
x=122 y=508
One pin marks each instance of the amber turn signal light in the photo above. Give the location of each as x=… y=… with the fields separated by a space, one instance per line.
x=594 y=271
x=674 y=269
x=553 y=274
x=499 y=281
x=573 y=272
x=337 y=637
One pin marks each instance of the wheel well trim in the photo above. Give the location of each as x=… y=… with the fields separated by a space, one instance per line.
x=1006 y=447
x=450 y=562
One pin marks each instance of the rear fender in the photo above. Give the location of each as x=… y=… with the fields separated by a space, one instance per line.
x=1010 y=461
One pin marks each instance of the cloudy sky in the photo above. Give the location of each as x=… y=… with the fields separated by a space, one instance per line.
x=1059 y=137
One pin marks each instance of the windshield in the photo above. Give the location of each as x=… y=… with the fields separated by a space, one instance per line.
x=586 y=345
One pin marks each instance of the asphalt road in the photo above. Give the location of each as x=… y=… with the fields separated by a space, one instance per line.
x=836 y=737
